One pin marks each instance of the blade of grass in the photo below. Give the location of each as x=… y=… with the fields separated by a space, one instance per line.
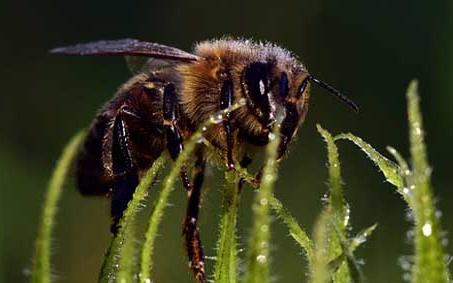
x=390 y=170
x=430 y=265
x=296 y=232
x=338 y=208
x=257 y=265
x=225 y=269
x=120 y=261
x=41 y=271
x=415 y=186
x=146 y=263
x=320 y=271
x=336 y=199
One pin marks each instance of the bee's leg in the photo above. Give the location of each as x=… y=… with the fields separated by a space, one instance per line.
x=173 y=136
x=124 y=170
x=190 y=229
x=292 y=119
x=245 y=162
x=226 y=100
x=175 y=146
x=288 y=127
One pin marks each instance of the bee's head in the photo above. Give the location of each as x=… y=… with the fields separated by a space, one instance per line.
x=279 y=93
x=270 y=90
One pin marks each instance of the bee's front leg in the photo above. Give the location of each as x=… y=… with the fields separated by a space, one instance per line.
x=226 y=100
x=292 y=119
x=288 y=127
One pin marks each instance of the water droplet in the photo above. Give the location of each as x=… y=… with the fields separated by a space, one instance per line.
x=347 y=216
x=264 y=228
x=438 y=214
x=409 y=215
x=271 y=136
x=216 y=119
x=407 y=277
x=448 y=259
x=204 y=129
x=26 y=271
x=261 y=259
x=410 y=234
x=427 y=230
x=405 y=263
x=263 y=201
x=418 y=129
x=268 y=178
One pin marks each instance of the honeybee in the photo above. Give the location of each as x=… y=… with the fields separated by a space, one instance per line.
x=165 y=102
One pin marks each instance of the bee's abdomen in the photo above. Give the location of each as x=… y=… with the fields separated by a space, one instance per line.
x=91 y=176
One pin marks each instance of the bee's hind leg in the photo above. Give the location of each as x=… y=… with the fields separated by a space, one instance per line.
x=124 y=170
x=190 y=230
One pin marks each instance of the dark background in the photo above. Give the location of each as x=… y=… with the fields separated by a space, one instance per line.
x=368 y=49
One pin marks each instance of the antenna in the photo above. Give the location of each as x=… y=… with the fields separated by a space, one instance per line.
x=335 y=93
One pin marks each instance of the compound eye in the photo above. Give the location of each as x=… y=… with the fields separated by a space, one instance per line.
x=283 y=85
x=256 y=84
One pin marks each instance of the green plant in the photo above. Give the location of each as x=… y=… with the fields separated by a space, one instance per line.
x=329 y=252
x=225 y=269
x=41 y=271
x=120 y=259
x=413 y=183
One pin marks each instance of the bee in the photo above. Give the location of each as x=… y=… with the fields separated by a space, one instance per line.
x=161 y=106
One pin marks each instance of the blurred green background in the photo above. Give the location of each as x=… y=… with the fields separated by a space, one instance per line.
x=368 y=49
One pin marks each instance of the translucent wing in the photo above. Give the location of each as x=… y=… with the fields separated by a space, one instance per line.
x=127 y=47
x=137 y=64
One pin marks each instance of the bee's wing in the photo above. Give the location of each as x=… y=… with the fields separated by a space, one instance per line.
x=139 y=65
x=127 y=47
